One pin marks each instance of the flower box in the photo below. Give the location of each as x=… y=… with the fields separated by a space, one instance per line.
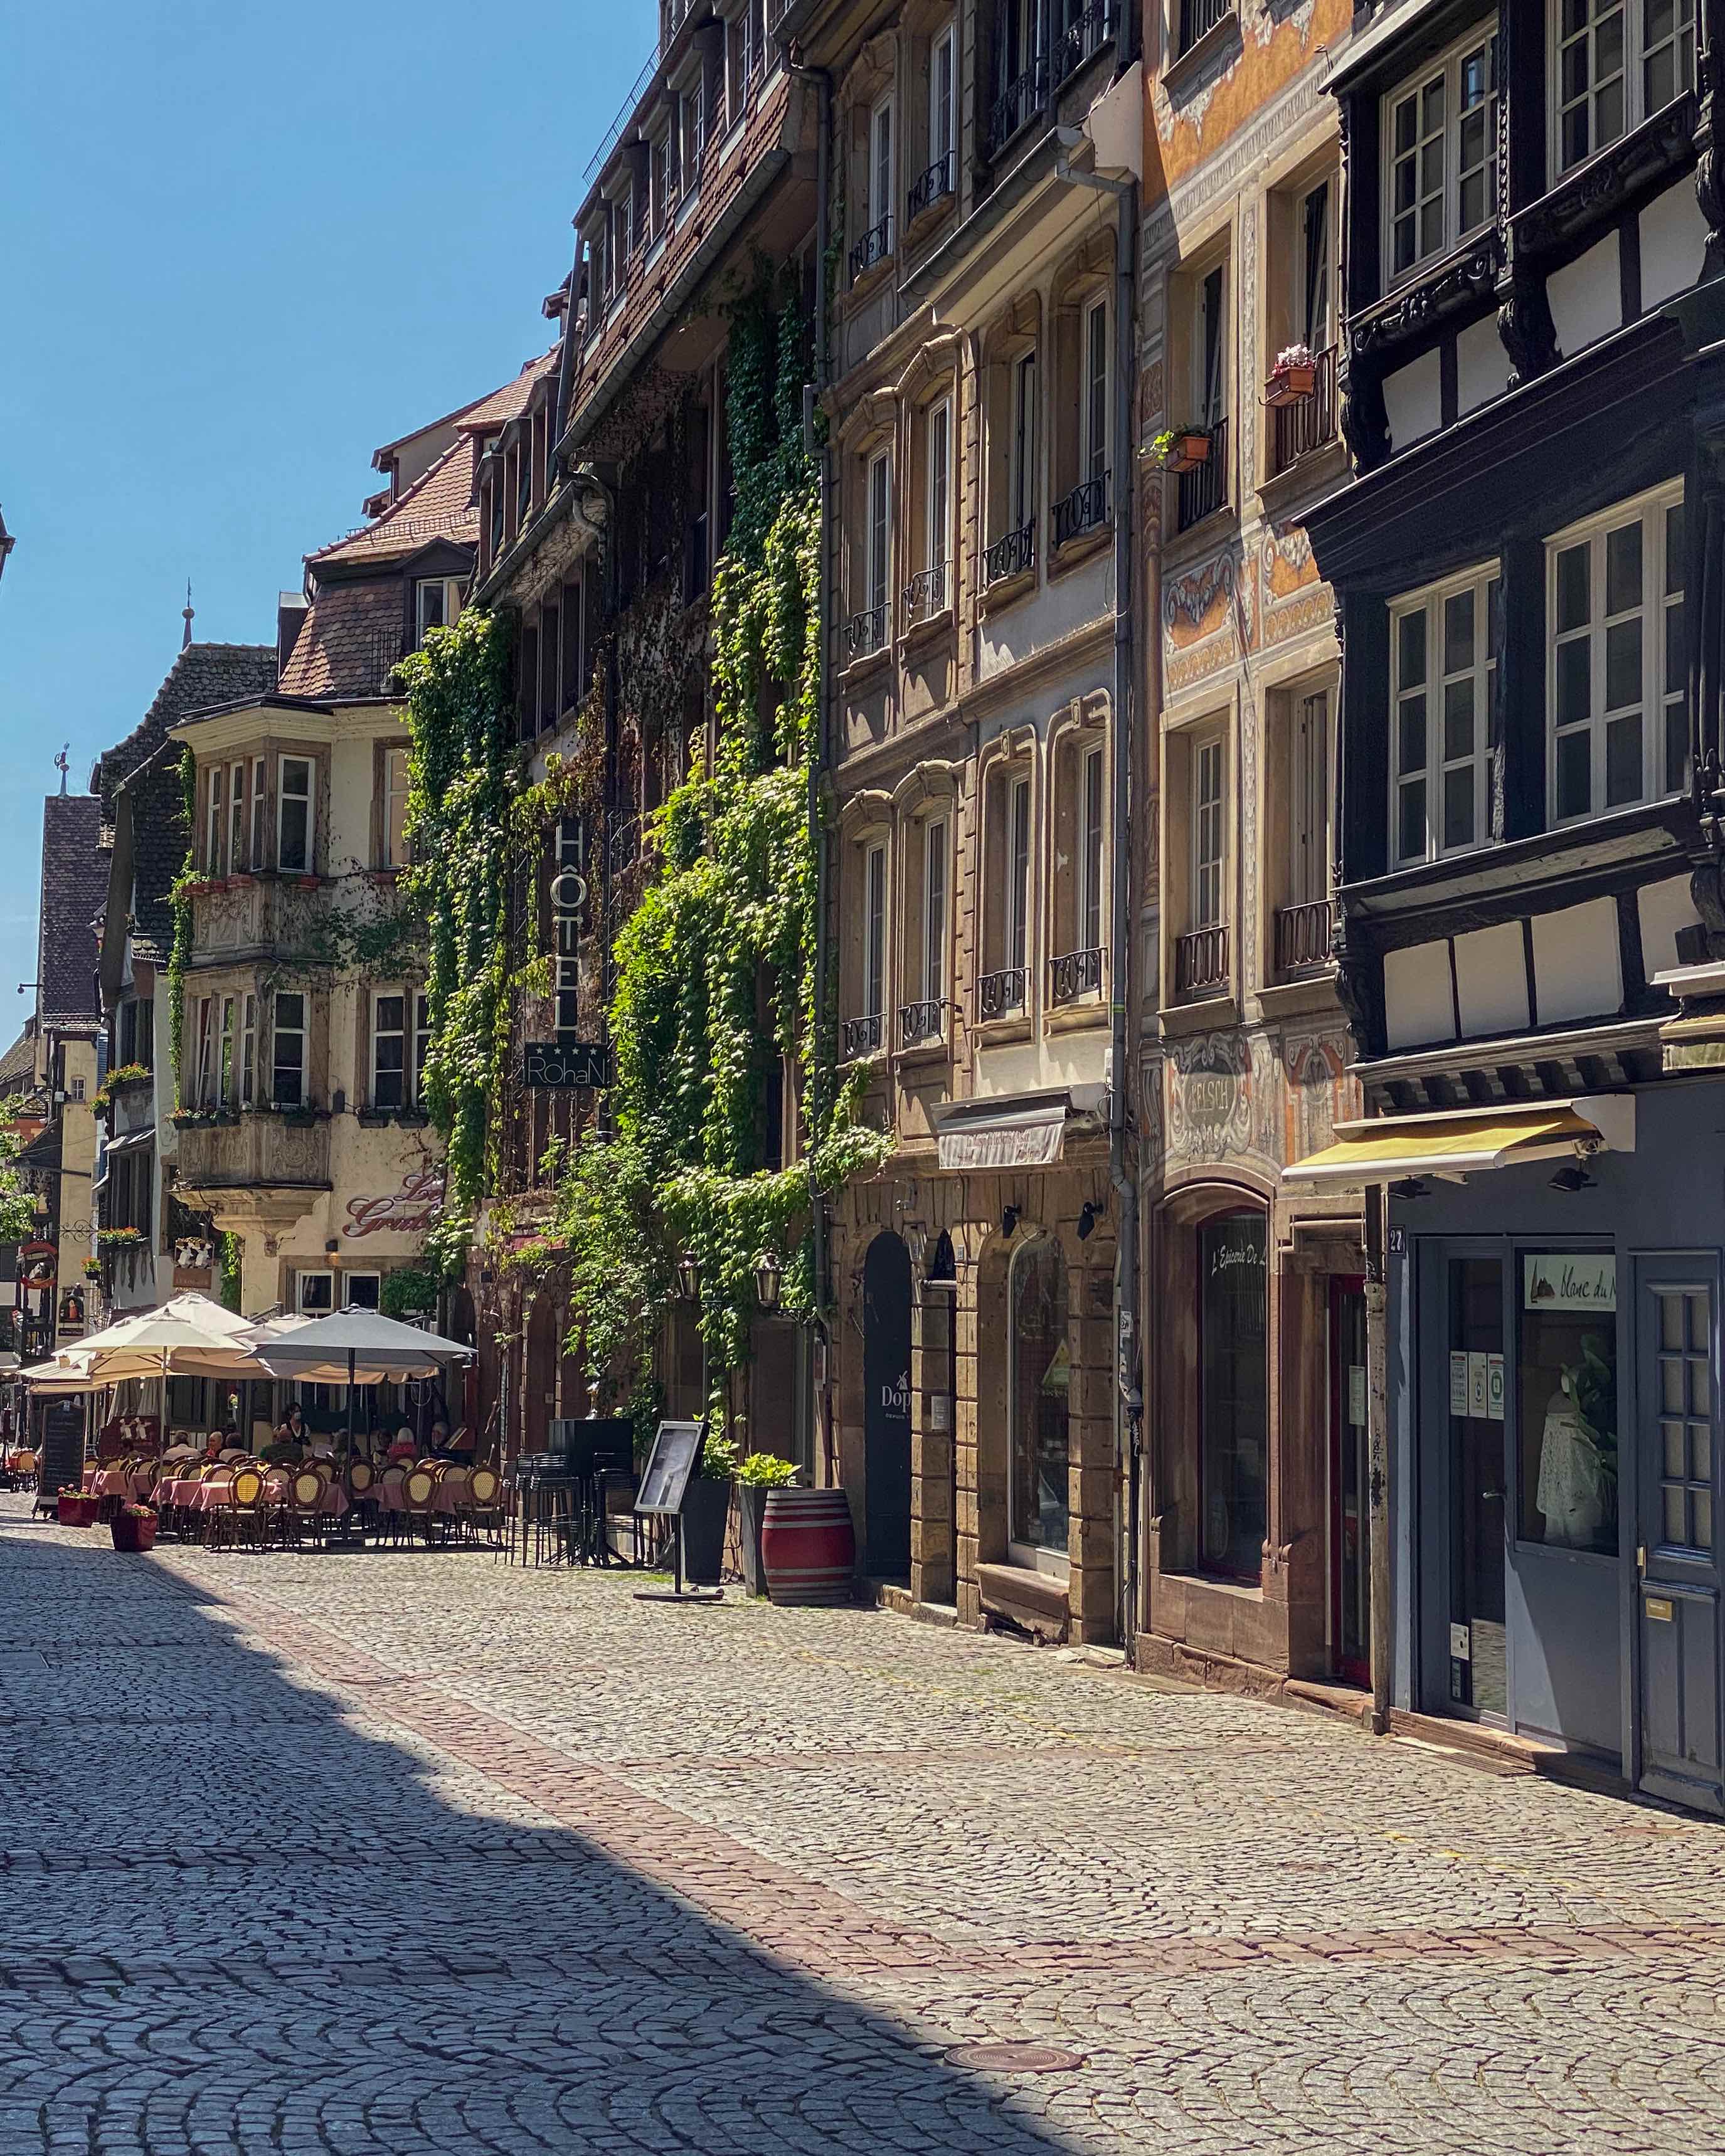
x=77 y=1508
x=134 y=1529
x=1187 y=452
x=1291 y=384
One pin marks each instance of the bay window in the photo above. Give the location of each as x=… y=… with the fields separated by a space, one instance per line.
x=1441 y=155
x=1615 y=63
x=288 y=1075
x=236 y=816
x=295 y=834
x=1443 y=644
x=213 y=822
x=1618 y=671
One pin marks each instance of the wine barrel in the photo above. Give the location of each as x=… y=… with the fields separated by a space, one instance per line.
x=809 y=1547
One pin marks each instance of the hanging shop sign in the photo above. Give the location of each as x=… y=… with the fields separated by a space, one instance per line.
x=562 y=1066
x=568 y=903
x=1583 y=1281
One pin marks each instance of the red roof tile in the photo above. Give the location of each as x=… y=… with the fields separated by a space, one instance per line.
x=349 y=640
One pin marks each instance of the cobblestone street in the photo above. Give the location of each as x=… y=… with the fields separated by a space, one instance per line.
x=407 y=1852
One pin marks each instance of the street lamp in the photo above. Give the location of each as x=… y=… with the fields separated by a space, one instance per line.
x=769 y=1279
x=689 y=1277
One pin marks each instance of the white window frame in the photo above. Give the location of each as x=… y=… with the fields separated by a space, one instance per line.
x=1315 y=326
x=944 y=100
x=441 y=595
x=883 y=166
x=348 y=1282
x=249 y=1052
x=1209 y=841
x=300 y=1032
x=309 y=865
x=227 y=1073
x=1097 y=362
x=259 y=795
x=402 y=1033
x=1636 y=106
x=875 y=917
x=1429 y=602
x=1656 y=611
x=315 y=1306
x=1447 y=67
x=1020 y=839
x=937 y=513
x=203 y=1087
x=215 y=820
x=1092 y=840
x=395 y=792
x=878 y=566
x=236 y=815
x=935 y=880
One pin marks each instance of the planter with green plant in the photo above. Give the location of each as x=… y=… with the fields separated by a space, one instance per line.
x=1182 y=449
x=756 y=1475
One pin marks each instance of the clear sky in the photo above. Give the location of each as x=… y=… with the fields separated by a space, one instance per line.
x=241 y=244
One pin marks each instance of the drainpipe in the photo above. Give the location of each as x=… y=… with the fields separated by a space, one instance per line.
x=1377 y=1455
x=1128 y=1397
x=818 y=1425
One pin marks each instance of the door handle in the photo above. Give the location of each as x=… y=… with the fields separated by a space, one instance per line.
x=1641 y=1559
x=1486 y=1496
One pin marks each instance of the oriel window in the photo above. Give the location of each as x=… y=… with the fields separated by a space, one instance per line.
x=288 y=1079
x=294 y=839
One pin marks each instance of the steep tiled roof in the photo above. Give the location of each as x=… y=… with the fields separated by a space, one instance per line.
x=74 y=885
x=350 y=639
x=17 y=1066
x=503 y=404
x=204 y=674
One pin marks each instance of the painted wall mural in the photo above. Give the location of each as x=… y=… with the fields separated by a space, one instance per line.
x=1271 y=46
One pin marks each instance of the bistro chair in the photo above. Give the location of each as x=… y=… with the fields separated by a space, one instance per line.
x=418 y=1497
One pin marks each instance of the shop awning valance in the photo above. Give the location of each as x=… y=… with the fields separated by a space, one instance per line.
x=1018 y=1130
x=1465 y=1141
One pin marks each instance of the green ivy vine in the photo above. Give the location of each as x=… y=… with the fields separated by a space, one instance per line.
x=180 y=957
x=715 y=968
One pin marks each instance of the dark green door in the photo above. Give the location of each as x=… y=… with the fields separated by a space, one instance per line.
x=1678 y=1557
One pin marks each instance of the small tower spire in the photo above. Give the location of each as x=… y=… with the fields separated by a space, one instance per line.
x=185 y=640
x=63 y=764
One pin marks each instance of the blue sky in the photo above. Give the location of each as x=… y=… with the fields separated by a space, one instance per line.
x=242 y=245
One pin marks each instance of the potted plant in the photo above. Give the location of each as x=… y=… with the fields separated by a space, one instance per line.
x=134 y=1528
x=756 y=1475
x=92 y=1269
x=76 y=1508
x=1294 y=377
x=707 y=1510
x=1182 y=449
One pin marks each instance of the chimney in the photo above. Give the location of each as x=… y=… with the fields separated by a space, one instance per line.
x=291 y=608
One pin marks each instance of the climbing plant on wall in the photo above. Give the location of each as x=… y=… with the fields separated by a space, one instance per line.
x=462 y=781
x=715 y=968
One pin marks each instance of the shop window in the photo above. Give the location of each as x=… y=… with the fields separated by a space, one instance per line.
x=1234 y=1393
x=361 y=1290
x=316 y=1294
x=1040 y=1371
x=1566 y=1380
x=1619 y=671
x=1614 y=63
x=1444 y=645
x=1440 y=157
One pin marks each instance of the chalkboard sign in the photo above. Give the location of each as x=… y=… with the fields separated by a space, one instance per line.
x=566 y=1066
x=672 y=1465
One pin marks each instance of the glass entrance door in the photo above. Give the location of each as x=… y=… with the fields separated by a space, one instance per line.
x=1479 y=1663
x=1350 y=1525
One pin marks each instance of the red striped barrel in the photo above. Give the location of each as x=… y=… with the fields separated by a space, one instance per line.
x=809 y=1546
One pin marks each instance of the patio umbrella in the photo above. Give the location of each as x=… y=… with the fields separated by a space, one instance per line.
x=188 y=1336
x=359 y=1347
x=56 y=1377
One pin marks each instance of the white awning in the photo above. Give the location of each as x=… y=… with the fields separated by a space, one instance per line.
x=1005 y=1130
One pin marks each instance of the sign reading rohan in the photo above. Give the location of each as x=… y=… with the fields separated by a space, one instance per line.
x=562 y=1065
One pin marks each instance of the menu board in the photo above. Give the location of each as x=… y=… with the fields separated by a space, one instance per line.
x=671 y=1466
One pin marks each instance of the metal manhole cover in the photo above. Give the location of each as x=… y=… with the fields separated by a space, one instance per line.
x=1015 y=2058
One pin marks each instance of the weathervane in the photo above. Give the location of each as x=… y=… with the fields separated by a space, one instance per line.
x=63 y=763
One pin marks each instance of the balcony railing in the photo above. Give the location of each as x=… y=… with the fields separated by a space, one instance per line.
x=934 y=186
x=1083 y=38
x=998 y=995
x=1074 y=974
x=1081 y=511
x=874 y=246
x=1010 y=555
x=1201 y=961
x=865 y=632
x=861 y=1036
x=1197 y=18
x=1311 y=423
x=1204 y=488
x=926 y=594
x=918 y=1024
x=1017 y=103
x=1303 y=935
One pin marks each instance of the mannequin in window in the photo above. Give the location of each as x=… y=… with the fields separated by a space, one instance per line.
x=1571 y=1481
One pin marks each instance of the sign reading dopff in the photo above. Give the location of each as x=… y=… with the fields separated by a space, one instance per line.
x=566 y=1066
x=1587 y=1281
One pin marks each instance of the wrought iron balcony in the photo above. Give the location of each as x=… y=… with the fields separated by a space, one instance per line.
x=918 y=1024
x=1303 y=935
x=1081 y=511
x=1010 y=555
x=1074 y=974
x=927 y=594
x=998 y=995
x=1201 y=961
x=861 y=1036
x=935 y=185
x=1082 y=39
x=865 y=632
x=1199 y=17
x=1203 y=490
x=874 y=246
x=1310 y=422
x=1017 y=105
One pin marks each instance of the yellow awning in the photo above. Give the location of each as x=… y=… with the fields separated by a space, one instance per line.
x=1467 y=1141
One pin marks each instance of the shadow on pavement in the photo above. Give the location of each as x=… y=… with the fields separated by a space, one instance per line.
x=231 y=1920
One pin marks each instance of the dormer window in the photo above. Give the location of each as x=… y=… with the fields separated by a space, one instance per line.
x=1441 y=164
x=437 y=601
